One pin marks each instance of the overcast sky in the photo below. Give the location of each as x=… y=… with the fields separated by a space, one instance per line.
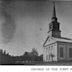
x=24 y=24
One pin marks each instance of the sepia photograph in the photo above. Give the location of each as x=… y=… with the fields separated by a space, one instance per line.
x=36 y=32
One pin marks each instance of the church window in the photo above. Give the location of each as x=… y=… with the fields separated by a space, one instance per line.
x=70 y=52
x=61 y=52
x=46 y=57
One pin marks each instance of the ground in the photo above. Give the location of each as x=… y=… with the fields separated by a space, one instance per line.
x=63 y=63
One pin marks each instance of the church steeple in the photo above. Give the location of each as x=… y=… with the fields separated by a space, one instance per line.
x=54 y=26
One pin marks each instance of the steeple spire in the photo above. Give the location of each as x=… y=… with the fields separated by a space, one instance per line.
x=54 y=18
x=54 y=12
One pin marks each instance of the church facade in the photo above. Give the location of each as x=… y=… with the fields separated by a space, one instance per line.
x=56 y=47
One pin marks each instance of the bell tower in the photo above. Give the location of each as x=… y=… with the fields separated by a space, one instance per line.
x=54 y=26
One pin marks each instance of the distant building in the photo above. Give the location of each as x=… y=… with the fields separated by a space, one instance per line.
x=56 y=48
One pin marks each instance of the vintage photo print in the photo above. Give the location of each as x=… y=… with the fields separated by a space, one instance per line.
x=36 y=32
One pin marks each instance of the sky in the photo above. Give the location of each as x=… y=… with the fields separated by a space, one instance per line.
x=24 y=24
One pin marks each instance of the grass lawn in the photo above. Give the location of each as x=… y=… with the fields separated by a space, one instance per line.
x=63 y=63
x=55 y=63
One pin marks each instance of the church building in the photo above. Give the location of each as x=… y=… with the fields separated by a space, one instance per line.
x=56 y=47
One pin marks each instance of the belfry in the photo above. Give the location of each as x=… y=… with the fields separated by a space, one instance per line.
x=56 y=47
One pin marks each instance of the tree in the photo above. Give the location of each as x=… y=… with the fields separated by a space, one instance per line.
x=34 y=52
x=26 y=53
x=26 y=56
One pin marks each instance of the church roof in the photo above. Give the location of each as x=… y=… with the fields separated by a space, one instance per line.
x=51 y=40
x=63 y=39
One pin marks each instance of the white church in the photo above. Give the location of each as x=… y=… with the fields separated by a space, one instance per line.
x=56 y=48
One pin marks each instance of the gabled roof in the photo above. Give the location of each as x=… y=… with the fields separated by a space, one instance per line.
x=51 y=40
x=65 y=38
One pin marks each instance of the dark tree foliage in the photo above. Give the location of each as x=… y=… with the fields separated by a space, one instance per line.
x=27 y=57
x=5 y=58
